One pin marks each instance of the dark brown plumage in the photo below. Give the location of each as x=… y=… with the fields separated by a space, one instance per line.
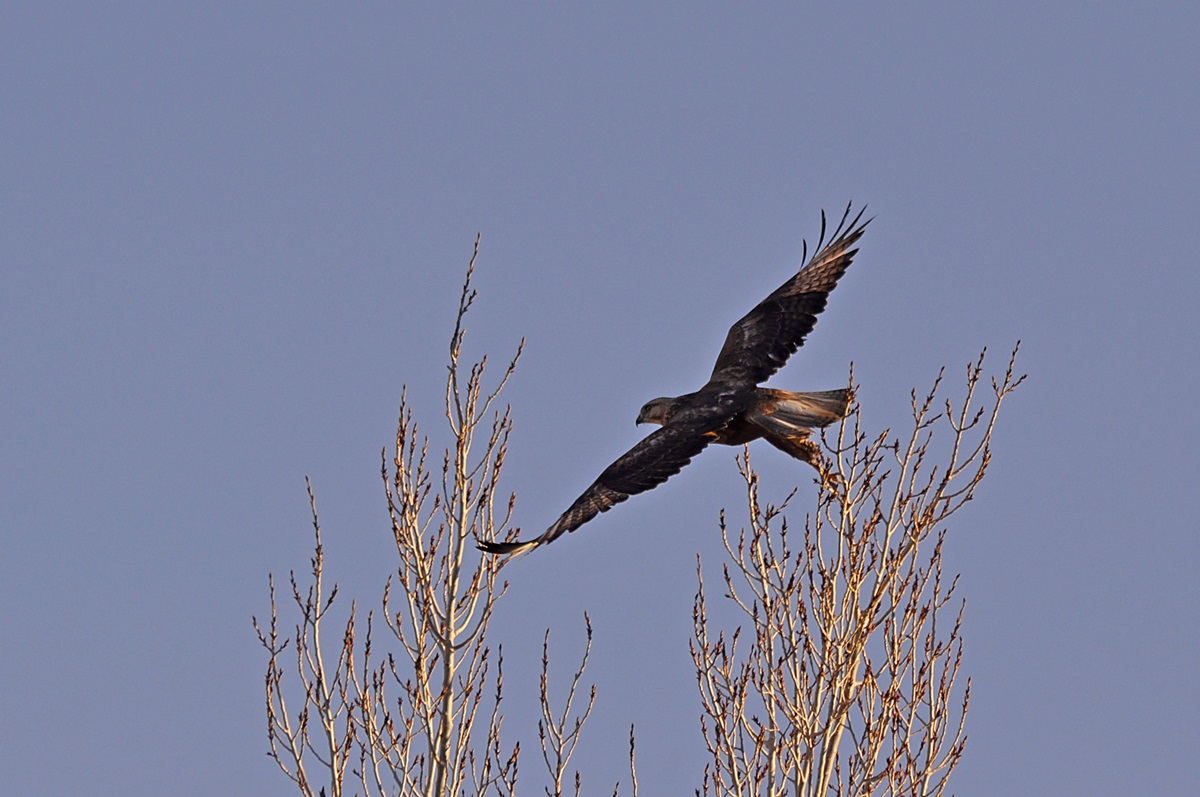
x=731 y=409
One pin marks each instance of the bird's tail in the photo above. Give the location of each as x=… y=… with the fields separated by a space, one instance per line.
x=788 y=418
x=791 y=413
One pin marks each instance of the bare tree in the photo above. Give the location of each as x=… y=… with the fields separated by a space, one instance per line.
x=424 y=718
x=422 y=741
x=847 y=680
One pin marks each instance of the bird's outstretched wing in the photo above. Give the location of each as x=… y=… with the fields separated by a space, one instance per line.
x=645 y=466
x=760 y=343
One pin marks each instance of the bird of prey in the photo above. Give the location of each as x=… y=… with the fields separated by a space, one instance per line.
x=731 y=408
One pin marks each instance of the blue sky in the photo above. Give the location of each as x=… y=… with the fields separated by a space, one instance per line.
x=232 y=232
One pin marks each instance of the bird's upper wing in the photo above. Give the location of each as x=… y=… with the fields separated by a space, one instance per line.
x=759 y=344
x=645 y=466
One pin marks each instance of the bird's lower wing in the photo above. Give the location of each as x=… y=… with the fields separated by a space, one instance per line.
x=645 y=466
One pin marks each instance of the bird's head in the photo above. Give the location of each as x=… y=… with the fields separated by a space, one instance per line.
x=656 y=411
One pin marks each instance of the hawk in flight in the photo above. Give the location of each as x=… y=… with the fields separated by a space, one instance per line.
x=731 y=408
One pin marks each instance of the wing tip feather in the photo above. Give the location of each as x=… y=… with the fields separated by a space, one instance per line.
x=506 y=548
